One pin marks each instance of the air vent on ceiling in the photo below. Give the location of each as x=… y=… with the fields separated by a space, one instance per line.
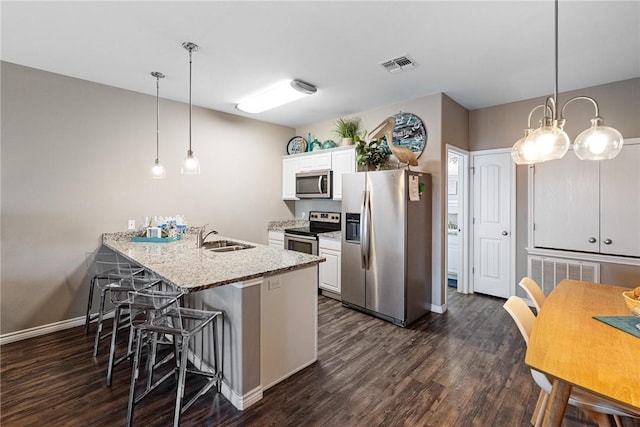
x=398 y=64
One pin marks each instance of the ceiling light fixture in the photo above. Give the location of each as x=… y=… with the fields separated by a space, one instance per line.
x=275 y=96
x=191 y=164
x=157 y=171
x=550 y=141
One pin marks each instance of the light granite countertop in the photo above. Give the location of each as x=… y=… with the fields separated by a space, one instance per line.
x=295 y=223
x=287 y=223
x=192 y=269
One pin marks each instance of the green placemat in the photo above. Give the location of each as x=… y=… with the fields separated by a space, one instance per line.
x=624 y=323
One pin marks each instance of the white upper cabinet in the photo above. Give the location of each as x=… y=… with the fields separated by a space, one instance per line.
x=589 y=206
x=290 y=166
x=340 y=160
x=620 y=203
x=343 y=161
x=315 y=162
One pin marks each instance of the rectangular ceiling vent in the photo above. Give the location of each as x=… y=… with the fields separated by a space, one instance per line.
x=398 y=64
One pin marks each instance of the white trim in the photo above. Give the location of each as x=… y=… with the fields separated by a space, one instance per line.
x=584 y=256
x=247 y=283
x=244 y=401
x=440 y=309
x=241 y=402
x=464 y=223
x=276 y=382
x=46 y=329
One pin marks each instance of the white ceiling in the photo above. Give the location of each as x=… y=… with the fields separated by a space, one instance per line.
x=481 y=53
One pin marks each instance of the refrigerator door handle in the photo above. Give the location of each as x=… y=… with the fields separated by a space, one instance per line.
x=364 y=230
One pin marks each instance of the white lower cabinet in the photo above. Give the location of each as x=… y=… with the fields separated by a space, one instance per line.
x=276 y=238
x=329 y=272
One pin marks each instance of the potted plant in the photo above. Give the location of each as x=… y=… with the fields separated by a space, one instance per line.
x=348 y=128
x=372 y=155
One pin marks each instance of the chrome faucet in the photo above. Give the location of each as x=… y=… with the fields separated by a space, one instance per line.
x=201 y=237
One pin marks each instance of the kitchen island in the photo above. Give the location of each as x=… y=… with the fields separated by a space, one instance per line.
x=269 y=297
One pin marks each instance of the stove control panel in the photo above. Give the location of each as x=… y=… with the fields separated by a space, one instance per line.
x=331 y=217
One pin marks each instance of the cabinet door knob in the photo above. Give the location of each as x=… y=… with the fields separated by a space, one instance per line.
x=505 y=233
x=592 y=239
x=608 y=241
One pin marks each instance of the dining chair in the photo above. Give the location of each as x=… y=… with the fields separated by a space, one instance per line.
x=534 y=291
x=156 y=313
x=601 y=410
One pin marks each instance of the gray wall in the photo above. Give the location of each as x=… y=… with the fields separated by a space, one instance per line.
x=76 y=159
x=502 y=125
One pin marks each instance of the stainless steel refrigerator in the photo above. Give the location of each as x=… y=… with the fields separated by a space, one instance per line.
x=386 y=244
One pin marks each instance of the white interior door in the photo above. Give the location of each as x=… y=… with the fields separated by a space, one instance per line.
x=493 y=223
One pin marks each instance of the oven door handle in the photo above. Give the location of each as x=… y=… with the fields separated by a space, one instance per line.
x=297 y=236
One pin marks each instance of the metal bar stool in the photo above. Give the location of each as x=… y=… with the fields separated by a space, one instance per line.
x=95 y=275
x=119 y=290
x=155 y=313
x=110 y=279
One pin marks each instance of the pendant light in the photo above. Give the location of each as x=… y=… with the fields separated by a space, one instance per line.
x=191 y=164
x=157 y=171
x=550 y=141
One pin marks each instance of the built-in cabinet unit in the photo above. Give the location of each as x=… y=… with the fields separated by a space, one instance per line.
x=276 y=238
x=588 y=206
x=329 y=271
x=339 y=160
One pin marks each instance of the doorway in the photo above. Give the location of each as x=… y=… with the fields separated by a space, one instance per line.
x=457 y=219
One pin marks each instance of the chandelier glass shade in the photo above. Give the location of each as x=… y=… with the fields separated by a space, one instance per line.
x=551 y=142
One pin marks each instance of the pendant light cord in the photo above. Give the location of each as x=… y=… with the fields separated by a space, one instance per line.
x=190 y=105
x=157 y=118
x=555 y=89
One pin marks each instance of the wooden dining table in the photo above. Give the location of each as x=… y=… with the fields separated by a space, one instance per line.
x=576 y=350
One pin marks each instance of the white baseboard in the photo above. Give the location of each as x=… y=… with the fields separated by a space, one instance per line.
x=440 y=309
x=45 y=329
x=241 y=402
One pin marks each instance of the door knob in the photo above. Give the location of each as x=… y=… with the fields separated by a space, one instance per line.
x=608 y=241
x=592 y=239
x=505 y=233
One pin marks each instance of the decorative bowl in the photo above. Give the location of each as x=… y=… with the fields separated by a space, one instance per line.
x=329 y=144
x=632 y=303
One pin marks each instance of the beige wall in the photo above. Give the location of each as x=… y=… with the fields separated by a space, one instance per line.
x=76 y=160
x=430 y=110
x=502 y=125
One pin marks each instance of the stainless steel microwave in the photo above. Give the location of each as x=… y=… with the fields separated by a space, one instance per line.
x=314 y=184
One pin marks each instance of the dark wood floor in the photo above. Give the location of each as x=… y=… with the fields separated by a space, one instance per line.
x=463 y=368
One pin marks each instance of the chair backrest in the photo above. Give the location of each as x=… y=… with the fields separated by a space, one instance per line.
x=521 y=315
x=151 y=307
x=533 y=290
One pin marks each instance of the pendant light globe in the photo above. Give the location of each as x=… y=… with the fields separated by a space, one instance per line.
x=599 y=142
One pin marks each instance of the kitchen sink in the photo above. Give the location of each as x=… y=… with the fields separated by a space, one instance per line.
x=225 y=246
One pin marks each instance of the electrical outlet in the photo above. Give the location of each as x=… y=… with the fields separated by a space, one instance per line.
x=132 y=224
